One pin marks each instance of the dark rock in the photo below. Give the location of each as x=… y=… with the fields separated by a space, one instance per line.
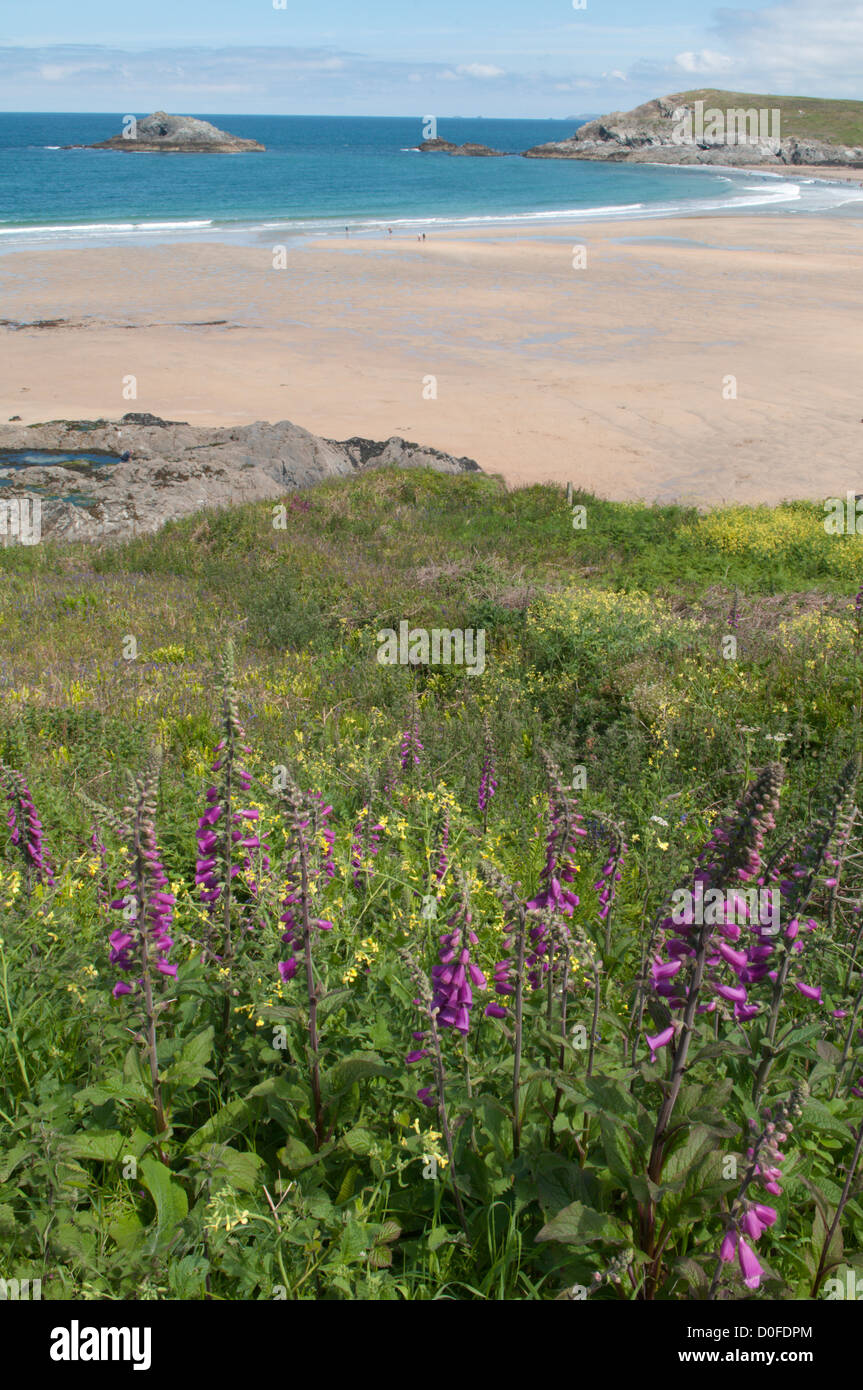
x=166 y=469
x=175 y=134
x=469 y=149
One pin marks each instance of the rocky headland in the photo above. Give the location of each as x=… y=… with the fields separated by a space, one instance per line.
x=674 y=130
x=143 y=471
x=710 y=127
x=174 y=135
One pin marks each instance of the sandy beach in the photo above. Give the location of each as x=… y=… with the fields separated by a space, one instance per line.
x=702 y=359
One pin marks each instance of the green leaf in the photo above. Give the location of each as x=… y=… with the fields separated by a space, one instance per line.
x=358 y=1141
x=171 y=1203
x=191 y=1066
x=438 y=1237
x=577 y=1225
x=232 y=1119
x=684 y=1161
x=110 y=1090
x=817 y=1115
x=296 y=1157
x=693 y=1274
x=106 y=1146
x=820 y=1226
x=332 y=1002
x=240 y=1170
x=354 y=1242
x=127 y=1230
x=617 y=1151
x=9 y=1162
x=349 y=1182
x=357 y=1067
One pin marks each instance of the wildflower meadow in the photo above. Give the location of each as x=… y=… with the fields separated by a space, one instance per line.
x=327 y=978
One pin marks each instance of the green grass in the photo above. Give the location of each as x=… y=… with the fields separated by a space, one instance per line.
x=802 y=118
x=606 y=647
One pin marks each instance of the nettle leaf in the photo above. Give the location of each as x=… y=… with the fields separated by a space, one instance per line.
x=331 y=1003
x=232 y=1119
x=107 y=1147
x=817 y=1116
x=172 y=1205
x=9 y=1161
x=240 y=1170
x=355 y=1242
x=578 y=1225
x=358 y=1141
x=825 y=1192
x=191 y=1066
x=296 y=1156
x=127 y=1230
x=358 y=1067
x=118 y=1090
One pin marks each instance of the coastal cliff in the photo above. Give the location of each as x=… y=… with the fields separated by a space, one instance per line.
x=710 y=127
x=713 y=127
x=175 y=135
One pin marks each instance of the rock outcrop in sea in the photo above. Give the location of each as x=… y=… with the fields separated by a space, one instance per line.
x=144 y=471
x=438 y=146
x=175 y=135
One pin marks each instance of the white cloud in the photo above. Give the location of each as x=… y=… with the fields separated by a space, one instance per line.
x=483 y=70
x=704 y=61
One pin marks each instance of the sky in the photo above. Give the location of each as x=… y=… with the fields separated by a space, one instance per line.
x=494 y=58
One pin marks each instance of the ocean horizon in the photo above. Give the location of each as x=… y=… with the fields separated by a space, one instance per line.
x=321 y=174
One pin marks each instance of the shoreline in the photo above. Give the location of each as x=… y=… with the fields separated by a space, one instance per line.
x=184 y=230
x=487 y=343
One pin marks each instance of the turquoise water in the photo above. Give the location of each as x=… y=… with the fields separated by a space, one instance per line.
x=321 y=173
x=83 y=460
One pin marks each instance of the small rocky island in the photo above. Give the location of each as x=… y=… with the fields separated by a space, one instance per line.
x=174 y=135
x=438 y=146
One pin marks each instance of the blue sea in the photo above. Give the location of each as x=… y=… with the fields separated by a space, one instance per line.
x=322 y=173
